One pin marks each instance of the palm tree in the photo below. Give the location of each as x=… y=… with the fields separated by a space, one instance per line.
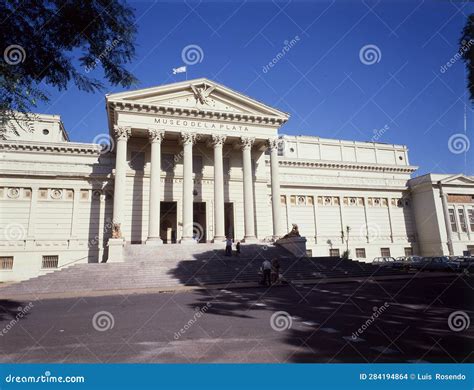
x=467 y=49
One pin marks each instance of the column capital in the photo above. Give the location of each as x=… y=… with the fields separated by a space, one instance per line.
x=188 y=138
x=246 y=142
x=155 y=135
x=217 y=140
x=274 y=143
x=122 y=132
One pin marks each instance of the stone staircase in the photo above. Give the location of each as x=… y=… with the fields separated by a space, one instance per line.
x=176 y=252
x=171 y=266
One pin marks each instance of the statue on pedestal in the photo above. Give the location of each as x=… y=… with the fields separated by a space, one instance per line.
x=294 y=232
x=116 y=232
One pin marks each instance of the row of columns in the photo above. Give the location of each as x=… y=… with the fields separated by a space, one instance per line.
x=156 y=136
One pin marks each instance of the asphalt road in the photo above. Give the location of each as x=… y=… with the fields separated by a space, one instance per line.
x=391 y=321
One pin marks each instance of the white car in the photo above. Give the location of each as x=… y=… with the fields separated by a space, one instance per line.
x=384 y=261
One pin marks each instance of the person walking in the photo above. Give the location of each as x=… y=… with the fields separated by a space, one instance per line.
x=275 y=270
x=267 y=270
x=228 y=247
x=237 y=248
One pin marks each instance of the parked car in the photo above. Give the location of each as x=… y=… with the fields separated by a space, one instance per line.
x=383 y=261
x=439 y=263
x=400 y=263
x=464 y=263
x=405 y=262
x=411 y=261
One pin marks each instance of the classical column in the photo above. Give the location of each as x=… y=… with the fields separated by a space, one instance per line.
x=249 y=216
x=467 y=222
x=275 y=180
x=219 y=230
x=188 y=140
x=447 y=222
x=155 y=136
x=122 y=134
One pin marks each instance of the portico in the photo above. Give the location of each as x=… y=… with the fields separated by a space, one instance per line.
x=198 y=122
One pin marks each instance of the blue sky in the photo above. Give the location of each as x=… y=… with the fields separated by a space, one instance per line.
x=321 y=80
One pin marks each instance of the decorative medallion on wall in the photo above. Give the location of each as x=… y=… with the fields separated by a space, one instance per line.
x=13 y=193
x=56 y=193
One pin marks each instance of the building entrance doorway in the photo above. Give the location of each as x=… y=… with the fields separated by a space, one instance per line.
x=229 y=220
x=168 y=222
x=199 y=222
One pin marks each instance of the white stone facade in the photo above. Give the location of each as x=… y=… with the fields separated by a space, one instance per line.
x=196 y=161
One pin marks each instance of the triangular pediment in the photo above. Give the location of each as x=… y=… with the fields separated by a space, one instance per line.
x=200 y=94
x=458 y=179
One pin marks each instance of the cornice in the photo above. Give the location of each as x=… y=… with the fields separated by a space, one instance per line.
x=345 y=165
x=47 y=147
x=195 y=113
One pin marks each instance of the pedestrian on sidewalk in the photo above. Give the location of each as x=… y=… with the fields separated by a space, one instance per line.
x=275 y=270
x=237 y=249
x=267 y=270
x=228 y=246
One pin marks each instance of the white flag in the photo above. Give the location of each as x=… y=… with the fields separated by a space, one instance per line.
x=181 y=69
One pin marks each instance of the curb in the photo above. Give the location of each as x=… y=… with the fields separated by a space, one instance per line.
x=178 y=289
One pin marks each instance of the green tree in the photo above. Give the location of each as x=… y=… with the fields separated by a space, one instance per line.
x=53 y=42
x=467 y=49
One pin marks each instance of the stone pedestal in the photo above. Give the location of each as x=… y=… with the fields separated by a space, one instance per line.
x=294 y=245
x=115 y=250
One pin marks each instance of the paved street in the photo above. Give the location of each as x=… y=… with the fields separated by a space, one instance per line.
x=392 y=321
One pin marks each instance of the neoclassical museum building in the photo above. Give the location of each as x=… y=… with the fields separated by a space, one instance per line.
x=195 y=162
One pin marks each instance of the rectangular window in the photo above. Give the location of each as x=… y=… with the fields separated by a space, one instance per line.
x=409 y=251
x=360 y=253
x=452 y=221
x=334 y=252
x=462 y=220
x=470 y=216
x=167 y=163
x=385 y=252
x=50 y=262
x=6 y=262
